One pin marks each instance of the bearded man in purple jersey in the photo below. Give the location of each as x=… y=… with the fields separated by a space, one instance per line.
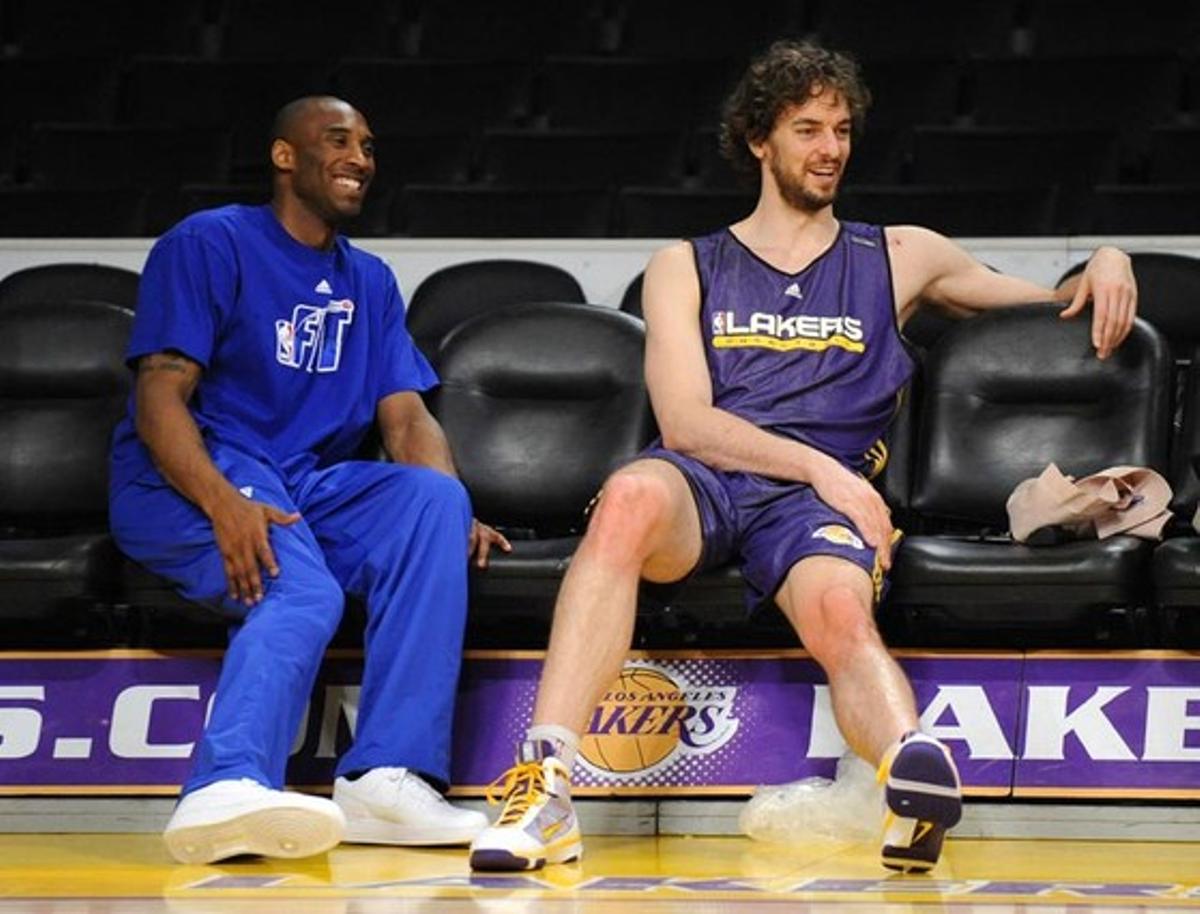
x=774 y=364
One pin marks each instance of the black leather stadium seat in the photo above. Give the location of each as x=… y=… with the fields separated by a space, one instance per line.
x=540 y=403
x=631 y=298
x=1177 y=560
x=1168 y=297
x=455 y=294
x=62 y=281
x=1004 y=395
x=63 y=384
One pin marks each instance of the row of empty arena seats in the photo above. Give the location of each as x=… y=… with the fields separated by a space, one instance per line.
x=542 y=399
x=668 y=29
x=489 y=211
x=1018 y=117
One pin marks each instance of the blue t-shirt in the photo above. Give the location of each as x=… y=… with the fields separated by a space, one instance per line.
x=298 y=345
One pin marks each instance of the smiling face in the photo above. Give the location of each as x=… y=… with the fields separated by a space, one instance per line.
x=326 y=159
x=805 y=153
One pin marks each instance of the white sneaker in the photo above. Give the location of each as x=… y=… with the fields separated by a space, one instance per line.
x=228 y=818
x=395 y=806
x=538 y=823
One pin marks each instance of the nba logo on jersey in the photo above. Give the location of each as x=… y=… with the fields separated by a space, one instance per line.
x=312 y=339
x=719 y=323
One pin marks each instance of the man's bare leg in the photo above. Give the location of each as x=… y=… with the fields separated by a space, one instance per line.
x=830 y=603
x=644 y=525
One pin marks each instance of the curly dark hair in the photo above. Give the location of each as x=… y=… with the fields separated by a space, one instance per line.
x=789 y=73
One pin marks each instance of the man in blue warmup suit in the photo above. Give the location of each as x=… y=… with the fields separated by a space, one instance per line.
x=265 y=346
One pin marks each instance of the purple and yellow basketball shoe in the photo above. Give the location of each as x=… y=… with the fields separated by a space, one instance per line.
x=924 y=800
x=538 y=824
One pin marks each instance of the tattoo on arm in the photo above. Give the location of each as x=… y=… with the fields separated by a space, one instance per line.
x=166 y=361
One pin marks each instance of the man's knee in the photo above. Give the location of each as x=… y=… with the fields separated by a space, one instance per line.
x=434 y=499
x=444 y=492
x=840 y=622
x=301 y=611
x=633 y=508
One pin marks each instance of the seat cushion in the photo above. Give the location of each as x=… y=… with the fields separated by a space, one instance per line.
x=58 y=590
x=1176 y=572
x=947 y=569
x=981 y=593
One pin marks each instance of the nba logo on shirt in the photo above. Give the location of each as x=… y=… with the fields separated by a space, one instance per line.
x=719 y=323
x=312 y=339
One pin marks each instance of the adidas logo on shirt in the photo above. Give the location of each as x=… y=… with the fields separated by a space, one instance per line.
x=323 y=288
x=793 y=290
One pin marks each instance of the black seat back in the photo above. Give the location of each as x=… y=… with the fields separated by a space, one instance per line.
x=1008 y=392
x=460 y=292
x=63 y=386
x=59 y=281
x=540 y=403
x=1168 y=296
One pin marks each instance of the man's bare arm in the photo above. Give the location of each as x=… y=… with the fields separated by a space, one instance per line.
x=165 y=384
x=928 y=267
x=411 y=435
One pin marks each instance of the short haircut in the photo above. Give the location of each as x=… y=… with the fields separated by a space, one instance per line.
x=290 y=115
x=789 y=73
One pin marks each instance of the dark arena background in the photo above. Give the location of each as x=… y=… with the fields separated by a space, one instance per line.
x=531 y=156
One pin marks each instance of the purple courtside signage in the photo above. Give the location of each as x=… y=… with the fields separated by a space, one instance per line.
x=1034 y=724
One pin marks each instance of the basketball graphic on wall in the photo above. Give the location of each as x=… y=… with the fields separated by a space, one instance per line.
x=637 y=723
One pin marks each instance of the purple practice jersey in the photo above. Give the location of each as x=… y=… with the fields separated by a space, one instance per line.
x=814 y=356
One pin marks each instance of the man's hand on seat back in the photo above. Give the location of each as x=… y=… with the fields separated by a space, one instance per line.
x=1108 y=282
x=481 y=541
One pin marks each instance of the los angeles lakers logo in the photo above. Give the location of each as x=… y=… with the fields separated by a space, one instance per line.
x=836 y=533
x=650 y=717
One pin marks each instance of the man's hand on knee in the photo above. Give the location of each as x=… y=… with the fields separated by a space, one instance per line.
x=241 y=528
x=853 y=496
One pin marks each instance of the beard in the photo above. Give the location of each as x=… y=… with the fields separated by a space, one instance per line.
x=796 y=195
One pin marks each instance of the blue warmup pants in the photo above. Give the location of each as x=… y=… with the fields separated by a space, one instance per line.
x=393 y=534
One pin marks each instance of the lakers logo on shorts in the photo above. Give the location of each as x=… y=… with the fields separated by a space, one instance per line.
x=842 y=536
x=650 y=717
